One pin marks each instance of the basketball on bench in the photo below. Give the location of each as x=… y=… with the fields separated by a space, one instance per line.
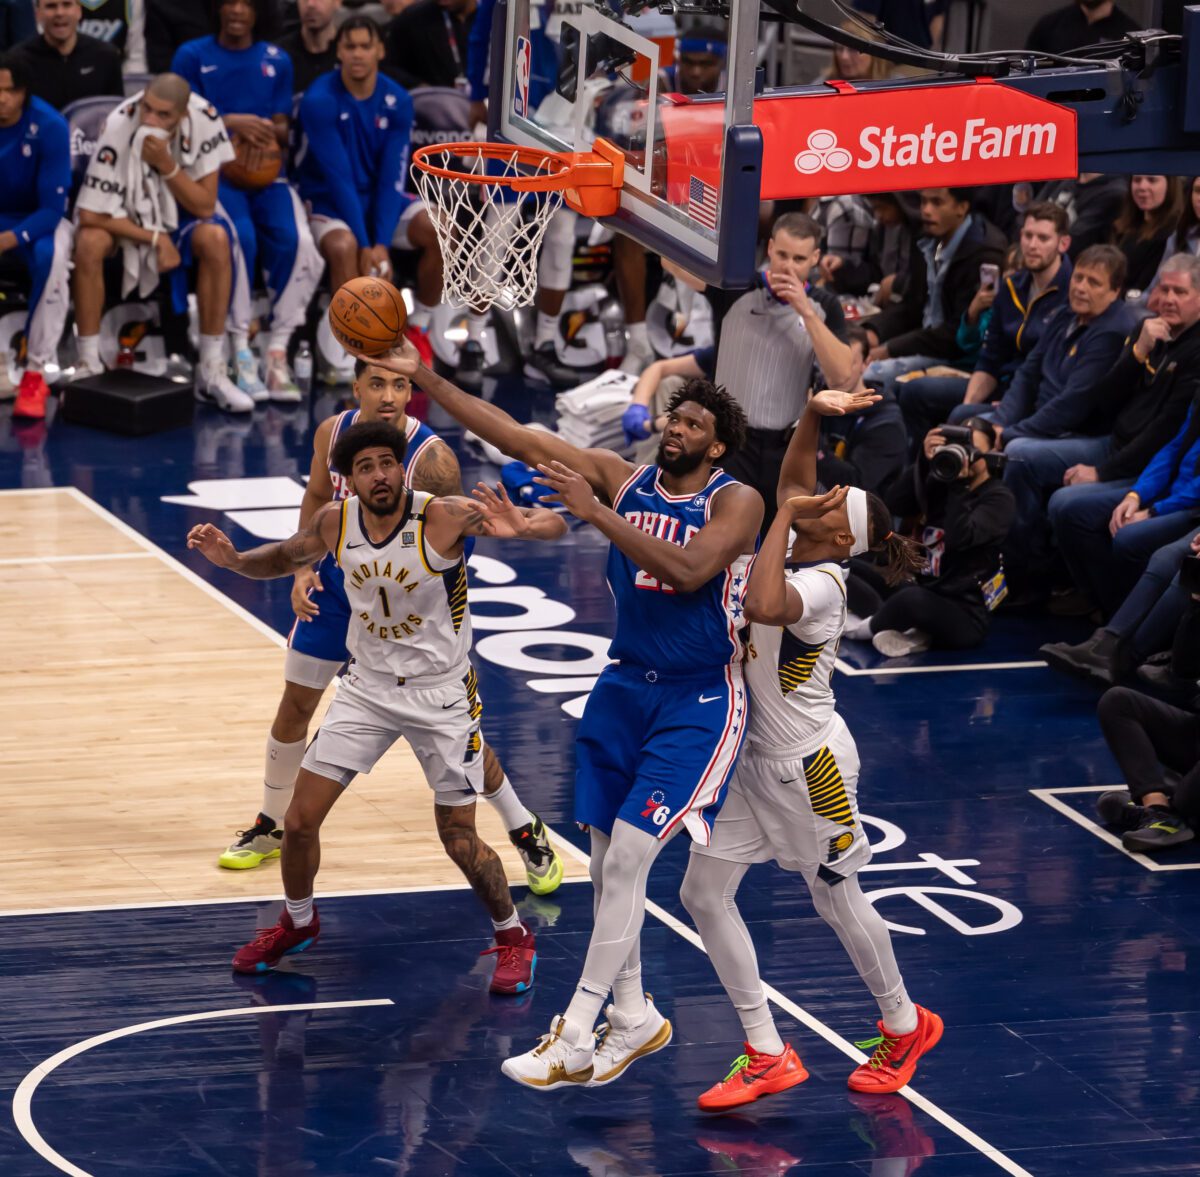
x=253 y=168
x=367 y=315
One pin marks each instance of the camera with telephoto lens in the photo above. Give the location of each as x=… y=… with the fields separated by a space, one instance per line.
x=951 y=461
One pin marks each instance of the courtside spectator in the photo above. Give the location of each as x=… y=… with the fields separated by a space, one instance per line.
x=171 y=23
x=1023 y=304
x=357 y=127
x=150 y=194
x=17 y=22
x=312 y=45
x=851 y=65
x=887 y=257
x=921 y=329
x=1074 y=26
x=1093 y=202
x=65 y=64
x=35 y=237
x=427 y=44
x=1151 y=211
x=249 y=81
x=119 y=23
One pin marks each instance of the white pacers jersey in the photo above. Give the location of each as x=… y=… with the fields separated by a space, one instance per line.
x=790 y=668
x=408 y=605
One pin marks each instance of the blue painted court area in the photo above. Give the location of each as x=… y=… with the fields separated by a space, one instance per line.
x=1068 y=974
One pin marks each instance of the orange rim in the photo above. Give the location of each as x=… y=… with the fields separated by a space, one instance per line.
x=590 y=181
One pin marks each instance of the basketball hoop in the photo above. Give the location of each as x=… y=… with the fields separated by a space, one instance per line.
x=490 y=204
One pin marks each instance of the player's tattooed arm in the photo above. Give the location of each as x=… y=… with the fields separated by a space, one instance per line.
x=438 y=472
x=493 y=514
x=271 y=560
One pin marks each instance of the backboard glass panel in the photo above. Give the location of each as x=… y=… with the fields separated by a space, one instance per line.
x=574 y=71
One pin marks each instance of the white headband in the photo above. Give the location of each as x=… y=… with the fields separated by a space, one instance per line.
x=856 y=511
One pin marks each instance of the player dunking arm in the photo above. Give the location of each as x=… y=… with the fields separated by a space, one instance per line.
x=410 y=674
x=663 y=727
x=317 y=643
x=793 y=797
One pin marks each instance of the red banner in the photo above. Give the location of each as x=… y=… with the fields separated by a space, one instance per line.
x=853 y=141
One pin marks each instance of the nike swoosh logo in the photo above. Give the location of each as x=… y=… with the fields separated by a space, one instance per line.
x=447 y=706
x=789 y=781
x=207 y=69
x=87 y=69
x=648 y=493
x=359 y=545
x=709 y=698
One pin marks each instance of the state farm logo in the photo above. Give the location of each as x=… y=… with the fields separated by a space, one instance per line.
x=977 y=140
x=823 y=152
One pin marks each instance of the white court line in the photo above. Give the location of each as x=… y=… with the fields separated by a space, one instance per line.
x=1143 y=860
x=93 y=558
x=855 y=671
x=23 y=1099
x=818 y=1027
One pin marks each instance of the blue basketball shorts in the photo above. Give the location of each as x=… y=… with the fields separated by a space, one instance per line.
x=324 y=637
x=656 y=749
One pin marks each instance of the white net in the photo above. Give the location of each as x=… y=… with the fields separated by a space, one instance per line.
x=489 y=235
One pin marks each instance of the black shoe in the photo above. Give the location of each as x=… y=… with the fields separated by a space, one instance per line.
x=1158 y=829
x=1096 y=658
x=1117 y=810
x=544 y=364
x=1163 y=678
x=470 y=360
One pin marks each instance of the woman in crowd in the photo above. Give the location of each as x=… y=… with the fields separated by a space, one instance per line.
x=1152 y=209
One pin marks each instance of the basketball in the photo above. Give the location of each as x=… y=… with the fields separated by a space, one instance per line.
x=367 y=315
x=253 y=168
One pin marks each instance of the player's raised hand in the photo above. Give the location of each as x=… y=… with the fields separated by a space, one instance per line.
x=403 y=359
x=831 y=402
x=571 y=489
x=213 y=544
x=305 y=583
x=814 y=506
x=501 y=517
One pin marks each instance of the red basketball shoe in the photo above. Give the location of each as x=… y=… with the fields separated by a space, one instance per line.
x=753 y=1076
x=894 y=1061
x=271 y=945
x=31 y=396
x=516 y=960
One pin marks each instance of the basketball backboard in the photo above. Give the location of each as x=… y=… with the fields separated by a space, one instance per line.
x=575 y=70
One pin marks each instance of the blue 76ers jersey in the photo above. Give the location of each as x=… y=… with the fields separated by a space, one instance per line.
x=658 y=627
x=419 y=436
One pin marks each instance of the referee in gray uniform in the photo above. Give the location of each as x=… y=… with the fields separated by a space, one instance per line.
x=771 y=339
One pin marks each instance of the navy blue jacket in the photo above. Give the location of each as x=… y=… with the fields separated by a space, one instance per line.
x=1053 y=393
x=1018 y=321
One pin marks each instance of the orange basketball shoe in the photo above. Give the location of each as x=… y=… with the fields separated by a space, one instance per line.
x=894 y=1061
x=753 y=1076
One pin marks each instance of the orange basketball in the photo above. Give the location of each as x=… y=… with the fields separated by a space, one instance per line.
x=252 y=169
x=367 y=315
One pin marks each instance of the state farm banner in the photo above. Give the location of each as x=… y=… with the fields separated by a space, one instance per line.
x=853 y=141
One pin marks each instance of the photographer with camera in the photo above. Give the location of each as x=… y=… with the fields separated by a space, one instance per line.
x=962 y=512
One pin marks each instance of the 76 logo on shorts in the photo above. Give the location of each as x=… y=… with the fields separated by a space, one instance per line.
x=655 y=810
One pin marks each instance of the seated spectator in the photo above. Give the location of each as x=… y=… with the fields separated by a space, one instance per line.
x=1075 y=26
x=427 y=44
x=1135 y=407
x=119 y=23
x=1184 y=238
x=1151 y=211
x=866 y=449
x=921 y=329
x=887 y=256
x=312 y=46
x=1020 y=309
x=171 y=23
x=17 y=23
x=1144 y=625
x=920 y=22
x=700 y=53
x=357 y=127
x=249 y=82
x=851 y=65
x=1148 y=738
x=35 y=237
x=1108 y=537
x=150 y=193
x=1092 y=202
x=847 y=223
x=65 y=64
x=963 y=523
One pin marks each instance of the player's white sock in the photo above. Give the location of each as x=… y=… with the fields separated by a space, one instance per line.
x=628 y=995
x=421 y=315
x=513 y=921
x=301 y=911
x=897 y=1010
x=239 y=341
x=857 y=629
x=639 y=341
x=89 y=351
x=212 y=351
x=508 y=806
x=476 y=322
x=547 y=327
x=278 y=339
x=585 y=1006
x=279 y=776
